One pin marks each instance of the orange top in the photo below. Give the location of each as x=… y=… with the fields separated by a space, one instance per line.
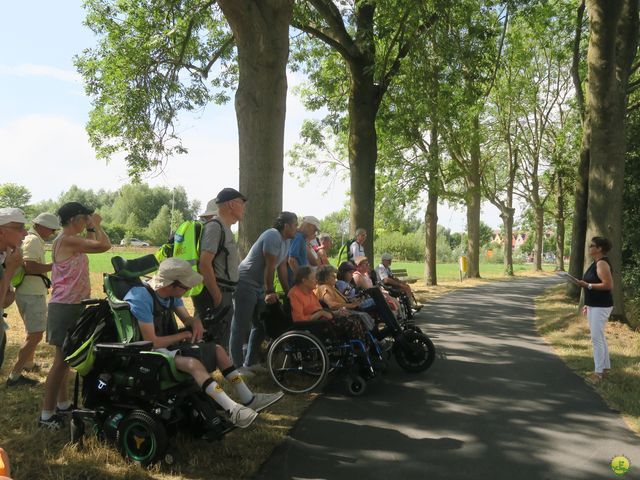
x=303 y=304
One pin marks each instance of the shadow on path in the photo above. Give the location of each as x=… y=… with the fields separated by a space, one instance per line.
x=497 y=404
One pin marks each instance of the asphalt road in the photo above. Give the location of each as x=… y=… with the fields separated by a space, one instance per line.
x=497 y=404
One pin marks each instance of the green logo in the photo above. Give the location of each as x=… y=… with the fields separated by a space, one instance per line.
x=620 y=464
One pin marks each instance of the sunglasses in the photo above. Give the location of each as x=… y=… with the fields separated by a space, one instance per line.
x=180 y=285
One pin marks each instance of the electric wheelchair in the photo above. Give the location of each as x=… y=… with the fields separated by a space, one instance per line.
x=131 y=395
x=303 y=354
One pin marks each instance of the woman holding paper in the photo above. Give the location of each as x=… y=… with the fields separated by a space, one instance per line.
x=598 y=283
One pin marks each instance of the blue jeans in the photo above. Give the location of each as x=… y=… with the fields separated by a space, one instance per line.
x=248 y=304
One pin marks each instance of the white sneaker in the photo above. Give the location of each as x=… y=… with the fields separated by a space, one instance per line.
x=242 y=416
x=245 y=372
x=257 y=368
x=260 y=401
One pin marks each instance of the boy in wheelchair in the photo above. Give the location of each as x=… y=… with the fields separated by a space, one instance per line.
x=154 y=304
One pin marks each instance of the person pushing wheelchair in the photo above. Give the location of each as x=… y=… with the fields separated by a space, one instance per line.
x=154 y=305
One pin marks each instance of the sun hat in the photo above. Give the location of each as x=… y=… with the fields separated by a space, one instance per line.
x=359 y=260
x=310 y=219
x=48 y=220
x=11 y=215
x=212 y=209
x=346 y=267
x=175 y=270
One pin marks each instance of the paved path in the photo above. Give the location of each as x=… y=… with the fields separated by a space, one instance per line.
x=497 y=404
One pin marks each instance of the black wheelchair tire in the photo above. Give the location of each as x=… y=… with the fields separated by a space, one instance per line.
x=277 y=355
x=356 y=385
x=142 y=438
x=414 y=351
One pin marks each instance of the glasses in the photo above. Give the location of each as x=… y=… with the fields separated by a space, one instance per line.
x=180 y=285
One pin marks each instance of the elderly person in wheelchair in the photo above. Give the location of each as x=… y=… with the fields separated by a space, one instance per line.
x=335 y=300
x=154 y=305
x=396 y=286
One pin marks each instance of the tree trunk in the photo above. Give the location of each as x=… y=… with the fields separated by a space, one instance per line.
x=612 y=47
x=579 y=228
x=507 y=221
x=363 y=150
x=261 y=31
x=431 y=215
x=559 y=223
x=473 y=202
x=538 y=213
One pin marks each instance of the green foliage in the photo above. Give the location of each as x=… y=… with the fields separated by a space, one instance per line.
x=14 y=195
x=336 y=224
x=152 y=60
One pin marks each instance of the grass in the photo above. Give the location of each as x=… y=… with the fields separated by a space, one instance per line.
x=43 y=455
x=567 y=331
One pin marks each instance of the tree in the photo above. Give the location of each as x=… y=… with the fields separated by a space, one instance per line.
x=613 y=42
x=153 y=60
x=14 y=195
x=372 y=39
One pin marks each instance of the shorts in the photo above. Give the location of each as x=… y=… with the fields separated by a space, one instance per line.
x=203 y=351
x=61 y=317
x=33 y=310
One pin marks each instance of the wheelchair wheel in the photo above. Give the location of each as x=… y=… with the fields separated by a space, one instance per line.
x=298 y=362
x=356 y=385
x=414 y=351
x=142 y=438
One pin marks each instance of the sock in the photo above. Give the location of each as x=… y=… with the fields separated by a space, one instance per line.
x=14 y=376
x=64 y=405
x=215 y=391
x=240 y=387
x=46 y=414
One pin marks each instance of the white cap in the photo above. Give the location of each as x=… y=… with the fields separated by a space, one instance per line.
x=359 y=260
x=48 y=220
x=386 y=256
x=11 y=215
x=175 y=270
x=212 y=208
x=312 y=221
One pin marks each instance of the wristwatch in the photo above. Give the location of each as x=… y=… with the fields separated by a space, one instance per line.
x=589 y=286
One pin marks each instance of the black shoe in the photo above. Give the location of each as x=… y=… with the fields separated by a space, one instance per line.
x=22 y=380
x=55 y=422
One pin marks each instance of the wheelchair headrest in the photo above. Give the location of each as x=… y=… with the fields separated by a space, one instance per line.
x=134 y=267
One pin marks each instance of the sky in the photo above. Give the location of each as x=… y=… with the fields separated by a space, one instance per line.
x=43 y=112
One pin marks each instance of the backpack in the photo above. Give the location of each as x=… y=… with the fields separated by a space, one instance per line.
x=345 y=252
x=185 y=244
x=94 y=324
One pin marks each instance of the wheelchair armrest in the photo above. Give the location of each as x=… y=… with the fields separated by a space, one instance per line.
x=91 y=301
x=124 y=348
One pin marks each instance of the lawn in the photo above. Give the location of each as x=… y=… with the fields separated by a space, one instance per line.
x=567 y=331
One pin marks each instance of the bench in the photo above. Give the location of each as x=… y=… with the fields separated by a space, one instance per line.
x=401 y=274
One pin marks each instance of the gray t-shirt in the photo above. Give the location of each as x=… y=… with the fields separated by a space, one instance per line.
x=252 y=267
x=211 y=240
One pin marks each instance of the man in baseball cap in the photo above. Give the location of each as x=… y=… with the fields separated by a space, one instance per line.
x=174 y=277
x=31 y=295
x=219 y=261
x=12 y=232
